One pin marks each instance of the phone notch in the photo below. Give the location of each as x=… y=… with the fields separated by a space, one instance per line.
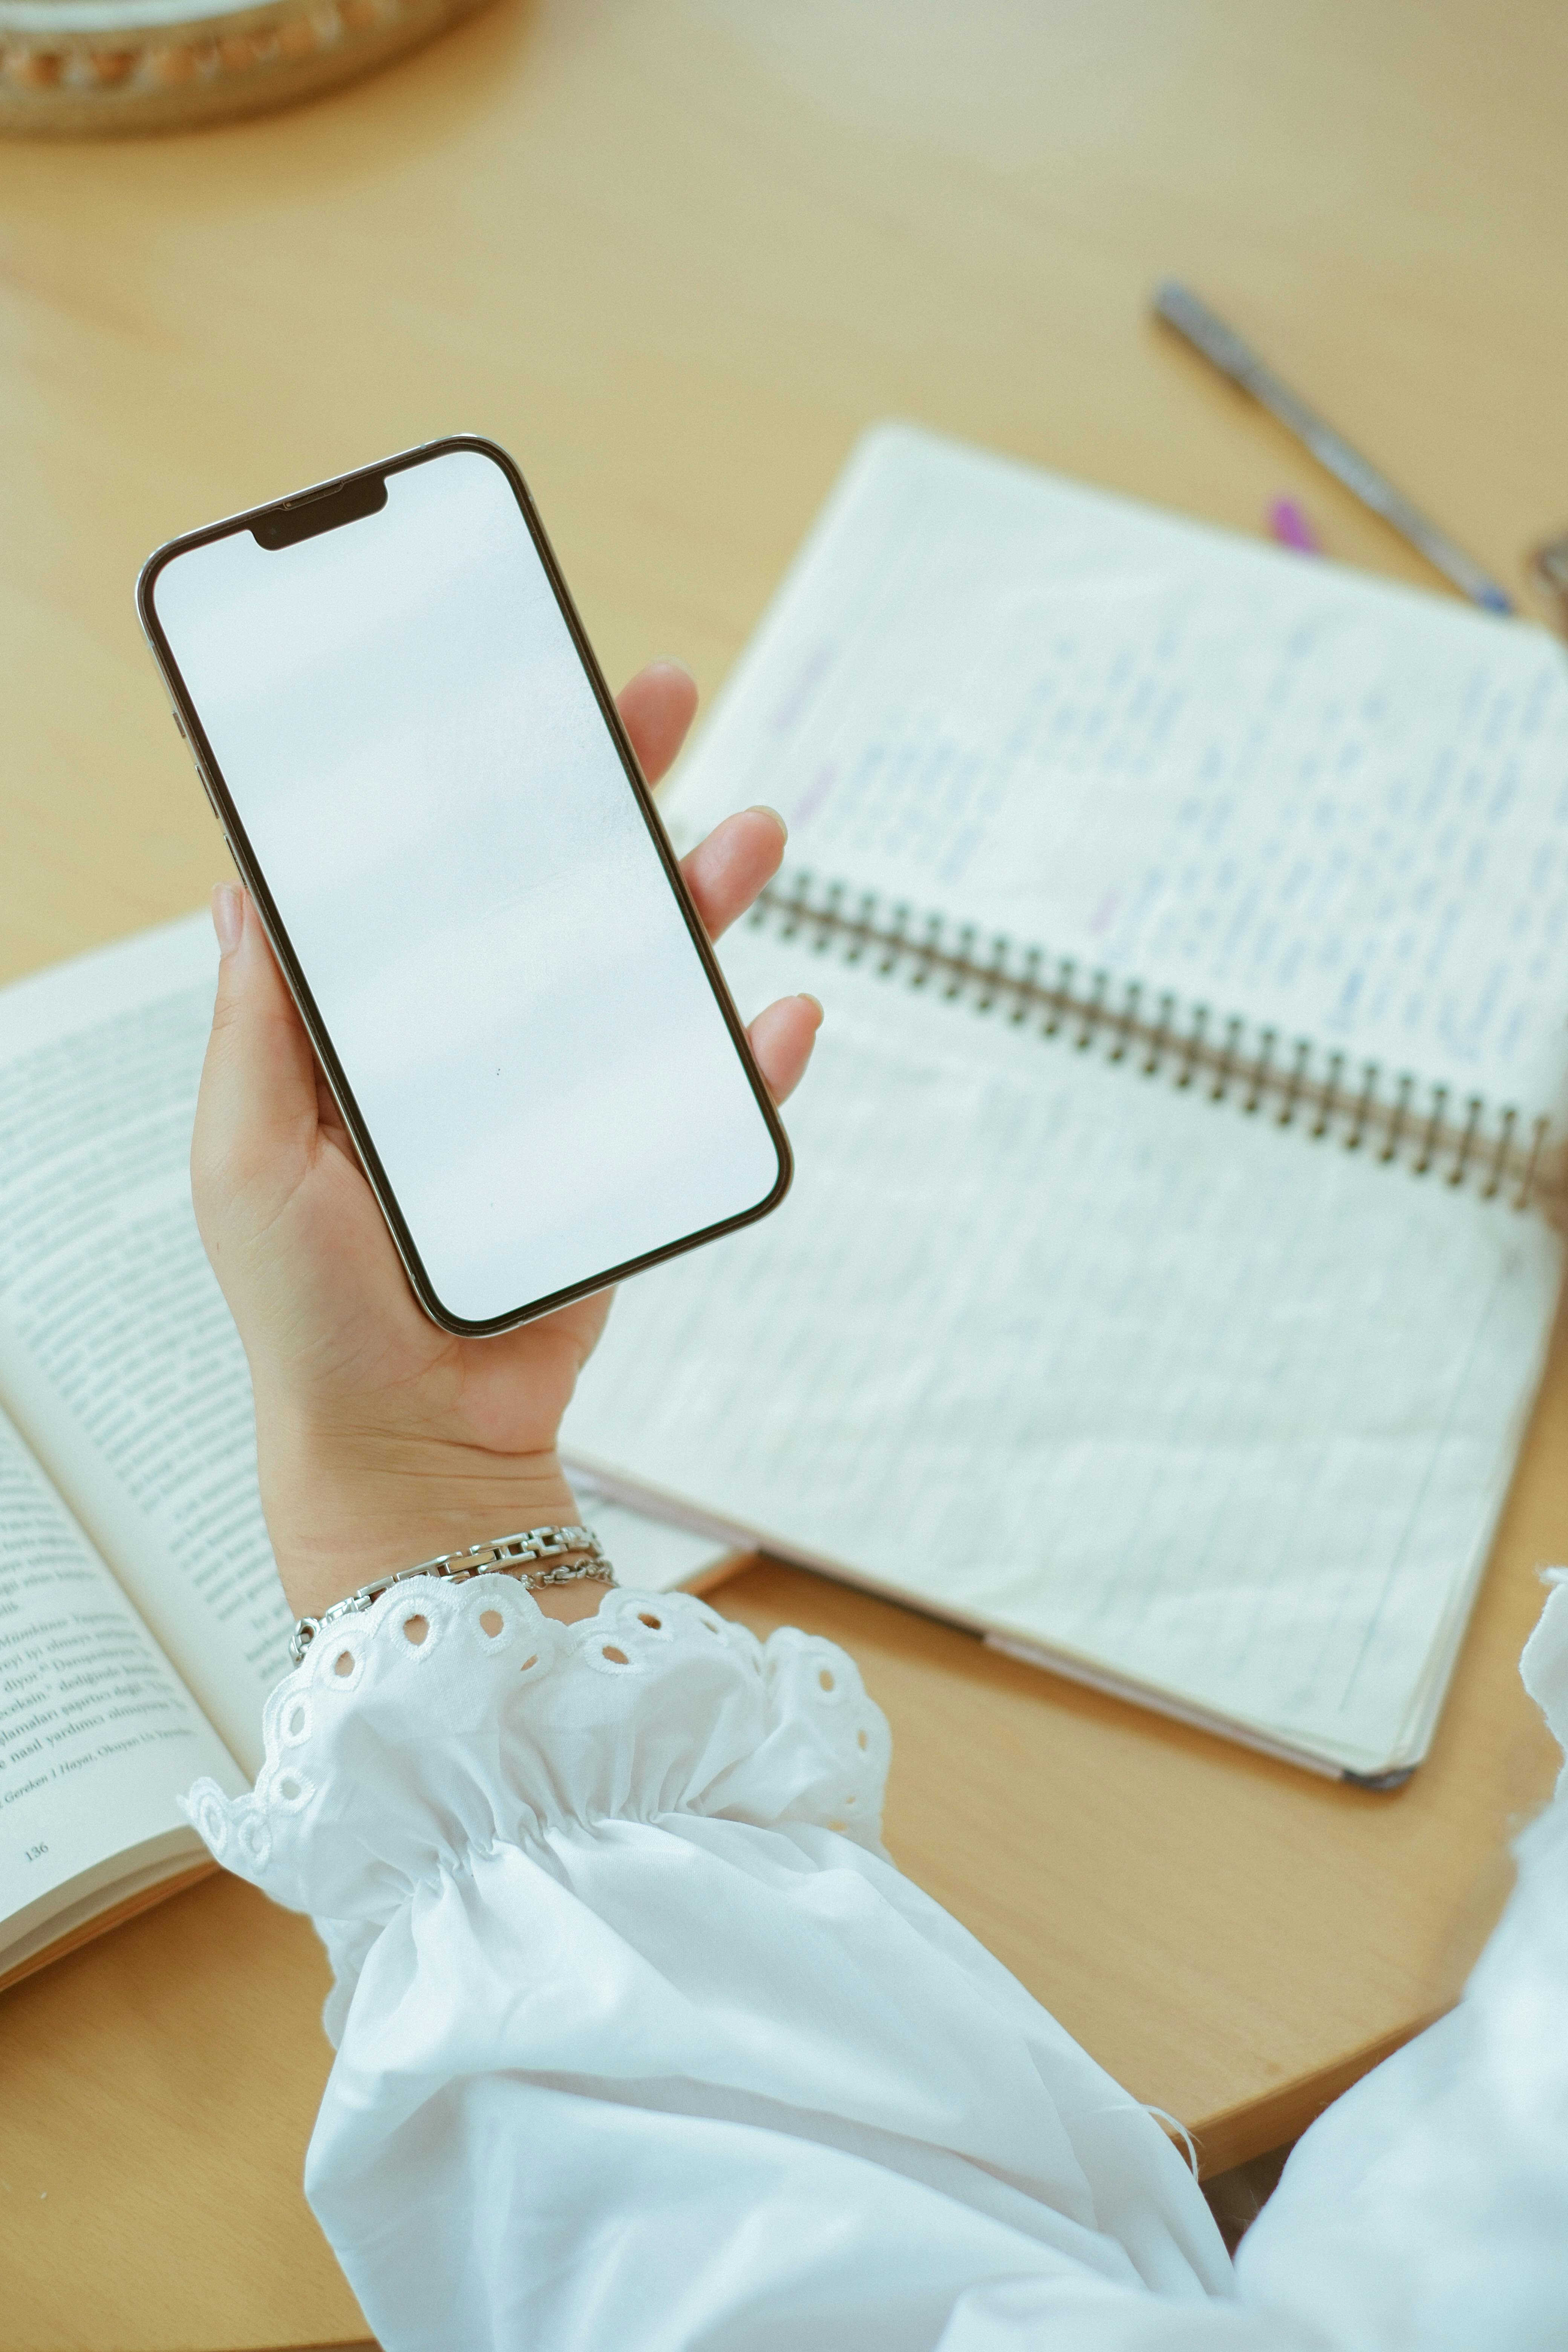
x=314 y=511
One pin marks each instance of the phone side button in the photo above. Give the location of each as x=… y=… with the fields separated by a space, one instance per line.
x=178 y=729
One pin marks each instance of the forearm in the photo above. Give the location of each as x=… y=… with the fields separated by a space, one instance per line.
x=346 y=1506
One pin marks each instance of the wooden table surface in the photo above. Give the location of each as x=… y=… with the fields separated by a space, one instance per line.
x=675 y=254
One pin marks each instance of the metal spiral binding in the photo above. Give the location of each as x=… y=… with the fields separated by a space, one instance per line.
x=1359 y=1106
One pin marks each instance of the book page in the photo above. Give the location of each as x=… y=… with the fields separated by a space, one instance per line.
x=98 y=1738
x=1268 y=784
x=118 y=1354
x=1083 y=1356
x=119 y=1358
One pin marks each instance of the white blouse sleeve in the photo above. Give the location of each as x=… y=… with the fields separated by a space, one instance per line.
x=644 y=2044
x=1429 y=2207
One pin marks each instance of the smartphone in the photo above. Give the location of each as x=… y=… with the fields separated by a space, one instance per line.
x=426 y=787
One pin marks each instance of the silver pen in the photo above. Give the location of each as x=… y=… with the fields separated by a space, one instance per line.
x=1224 y=349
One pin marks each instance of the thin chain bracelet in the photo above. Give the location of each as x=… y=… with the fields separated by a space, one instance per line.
x=491 y=1559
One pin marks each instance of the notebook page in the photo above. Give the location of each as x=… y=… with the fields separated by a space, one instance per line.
x=1095 y=1361
x=1268 y=784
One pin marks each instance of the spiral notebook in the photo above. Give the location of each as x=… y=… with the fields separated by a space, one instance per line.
x=1170 y=1262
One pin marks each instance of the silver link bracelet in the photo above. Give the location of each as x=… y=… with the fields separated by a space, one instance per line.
x=493 y=1558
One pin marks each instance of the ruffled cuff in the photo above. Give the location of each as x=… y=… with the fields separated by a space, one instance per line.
x=452 y=1719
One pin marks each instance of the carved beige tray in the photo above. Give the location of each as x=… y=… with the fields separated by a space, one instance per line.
x=75 y=67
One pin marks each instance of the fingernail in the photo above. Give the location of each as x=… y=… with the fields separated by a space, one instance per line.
x=761 y=808
x=821 y=1012
x=228 y=917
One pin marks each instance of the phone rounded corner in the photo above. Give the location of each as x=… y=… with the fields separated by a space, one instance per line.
x=468 y=1326
x=786 y=1177
x=485 y=443
x=146 y=580
x=773 y=1198
x=456 y=1327
x=477 y=445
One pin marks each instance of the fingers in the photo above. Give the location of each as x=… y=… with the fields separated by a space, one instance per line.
x=725 y=872
x=656 y=708
x=256 y=1116
x=782 y=1039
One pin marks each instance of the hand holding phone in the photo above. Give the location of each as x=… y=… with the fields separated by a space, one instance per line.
x=383 y=1439
x=424 y=781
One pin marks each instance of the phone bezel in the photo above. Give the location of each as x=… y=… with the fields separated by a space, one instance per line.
x=210 y=773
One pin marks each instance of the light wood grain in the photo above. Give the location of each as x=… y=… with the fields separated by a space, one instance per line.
x=159 y=2091
x=675 y=254
x=105 y=1923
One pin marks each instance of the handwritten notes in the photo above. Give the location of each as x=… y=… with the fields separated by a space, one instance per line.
x=1274 y=787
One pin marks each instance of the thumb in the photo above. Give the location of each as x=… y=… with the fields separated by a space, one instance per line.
x=256 y=1115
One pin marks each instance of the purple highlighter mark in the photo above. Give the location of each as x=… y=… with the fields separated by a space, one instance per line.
x=816 y=792
x=1287 y=523
x=802 y=686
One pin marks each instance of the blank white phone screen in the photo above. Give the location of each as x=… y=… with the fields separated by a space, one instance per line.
x=433 y=797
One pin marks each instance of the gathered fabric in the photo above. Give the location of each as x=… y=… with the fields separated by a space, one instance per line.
x=643 y=2041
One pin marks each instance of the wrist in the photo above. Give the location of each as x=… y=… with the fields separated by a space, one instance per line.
x=345 y=1507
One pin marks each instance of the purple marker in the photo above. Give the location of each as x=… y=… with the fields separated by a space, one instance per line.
x=1287 y=523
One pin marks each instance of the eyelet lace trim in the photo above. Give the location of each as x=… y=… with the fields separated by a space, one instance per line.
x=450 y=1719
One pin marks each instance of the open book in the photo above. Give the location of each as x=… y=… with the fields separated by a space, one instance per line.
x=141 y=1623
x=1168 y=1271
